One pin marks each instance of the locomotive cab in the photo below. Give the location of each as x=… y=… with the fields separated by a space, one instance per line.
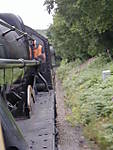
x=45 y=68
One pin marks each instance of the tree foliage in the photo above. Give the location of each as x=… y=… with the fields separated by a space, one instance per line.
x=81 y=28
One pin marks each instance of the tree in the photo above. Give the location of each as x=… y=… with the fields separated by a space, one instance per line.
x=81 y=29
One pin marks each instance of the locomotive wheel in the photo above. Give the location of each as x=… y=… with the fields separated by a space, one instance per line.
x=30 y=100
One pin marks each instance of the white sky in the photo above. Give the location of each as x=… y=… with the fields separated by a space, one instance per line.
x=32 y=12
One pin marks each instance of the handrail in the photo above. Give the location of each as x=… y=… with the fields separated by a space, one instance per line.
x=15 y=29
x=14 y=63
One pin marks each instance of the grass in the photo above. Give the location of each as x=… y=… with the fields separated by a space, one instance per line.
x=90 y=98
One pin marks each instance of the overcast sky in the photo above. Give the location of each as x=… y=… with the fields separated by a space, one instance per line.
x=32 y=12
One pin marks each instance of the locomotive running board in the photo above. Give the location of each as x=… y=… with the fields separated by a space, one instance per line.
x=39 y=131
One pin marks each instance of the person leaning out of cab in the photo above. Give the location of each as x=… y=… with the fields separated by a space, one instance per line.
x=37 y=51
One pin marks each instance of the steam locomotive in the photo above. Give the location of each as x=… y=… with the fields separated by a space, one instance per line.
x=20 y=77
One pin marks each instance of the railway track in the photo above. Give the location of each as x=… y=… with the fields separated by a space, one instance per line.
x=39 y=130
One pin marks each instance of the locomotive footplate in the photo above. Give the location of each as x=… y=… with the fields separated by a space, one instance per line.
x=39 y=130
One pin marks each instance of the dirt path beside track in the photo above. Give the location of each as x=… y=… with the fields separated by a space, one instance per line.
x=69 y=138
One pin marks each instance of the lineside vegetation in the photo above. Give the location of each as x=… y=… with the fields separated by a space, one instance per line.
x=90 y=98
x=82 y=30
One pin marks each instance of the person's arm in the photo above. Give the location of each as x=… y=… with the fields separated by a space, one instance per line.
x=42 y=57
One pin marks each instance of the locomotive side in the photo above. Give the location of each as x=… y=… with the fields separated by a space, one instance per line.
x=10 y=48
x=19 y=76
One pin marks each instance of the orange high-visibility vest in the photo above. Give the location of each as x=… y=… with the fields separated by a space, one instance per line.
x=38 y=51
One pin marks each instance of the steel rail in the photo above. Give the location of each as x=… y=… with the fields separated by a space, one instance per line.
x=14 y=63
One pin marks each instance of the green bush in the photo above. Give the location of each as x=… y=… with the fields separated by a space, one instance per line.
x=90 y=98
